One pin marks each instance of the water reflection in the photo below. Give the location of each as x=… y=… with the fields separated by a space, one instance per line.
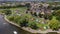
x=14 y=32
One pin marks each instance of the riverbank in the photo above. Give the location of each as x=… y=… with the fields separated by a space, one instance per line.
x=24 y=28
x=29 y=29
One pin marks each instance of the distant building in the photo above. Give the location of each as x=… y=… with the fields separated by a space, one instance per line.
x=29 y=0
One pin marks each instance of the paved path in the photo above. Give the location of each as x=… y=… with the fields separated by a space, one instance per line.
x=6 y=28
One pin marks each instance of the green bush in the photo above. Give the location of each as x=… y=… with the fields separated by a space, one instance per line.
x=54 y=24
x=48 y=17
x=57 y=14
x=7 y=12
x=33 y=24
x=11 y=18
x=8 y=7
x=23 y=22
x=56 y=8
x=58 y=18
x=28 y=5
x=40 y=15
x=17 y=18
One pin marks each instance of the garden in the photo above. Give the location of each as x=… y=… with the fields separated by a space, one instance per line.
x=27 y=20
x=18 y=16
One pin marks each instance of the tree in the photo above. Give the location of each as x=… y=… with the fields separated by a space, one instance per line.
x=48 y=16
x=40 y=15
x=33 y=24
x=28 y=5
x=24 y=20
x=11 y=18
x=57 y=14
x=54 y=24
x=58 y=18
x=8 y=12
x=24 y=23
x=56 y=8
x=17 y=18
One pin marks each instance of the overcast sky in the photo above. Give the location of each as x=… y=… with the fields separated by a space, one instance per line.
x=28 y=0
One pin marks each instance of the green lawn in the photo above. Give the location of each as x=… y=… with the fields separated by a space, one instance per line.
x=21 y=9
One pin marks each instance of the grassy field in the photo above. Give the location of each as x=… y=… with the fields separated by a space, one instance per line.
x=21 y=9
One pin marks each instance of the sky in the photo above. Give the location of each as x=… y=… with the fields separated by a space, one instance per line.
x=29 y=0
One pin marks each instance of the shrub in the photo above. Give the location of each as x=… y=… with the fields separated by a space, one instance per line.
x=48 y=17
x=27 y=5
x=8 y=12
x=23 y=22
x=40 y=15
x=57 y=14
x=56 y=8
x=33 y=24
x=11 y=18
x=54 y=24
x=58 y=18
x=17 y=18
x=8 y=7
